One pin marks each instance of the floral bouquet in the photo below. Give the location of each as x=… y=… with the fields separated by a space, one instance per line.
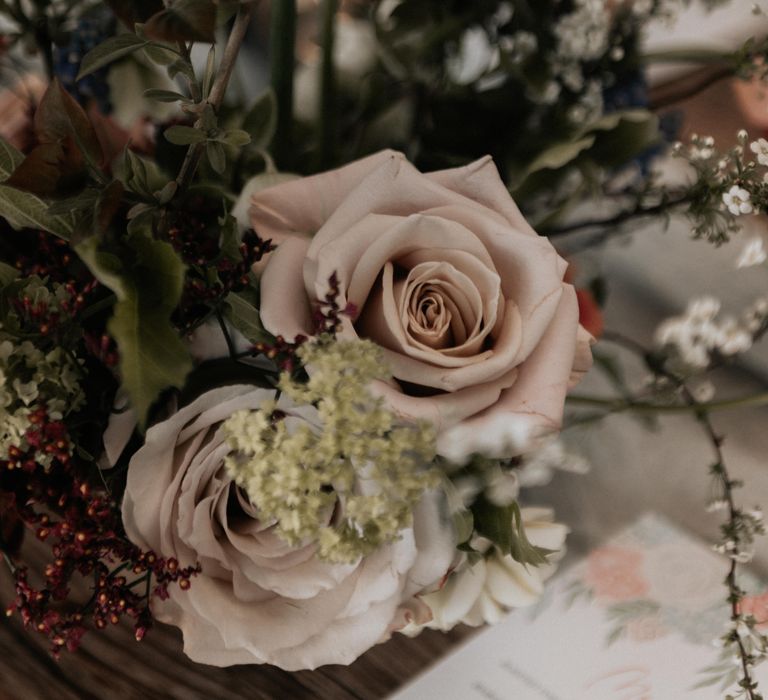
x=266 y=380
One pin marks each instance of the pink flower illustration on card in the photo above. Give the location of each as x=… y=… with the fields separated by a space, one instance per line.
x=615 y=574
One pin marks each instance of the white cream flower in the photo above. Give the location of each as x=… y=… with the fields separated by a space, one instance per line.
x=738 y=201
x=483 y=592
x=760 y=149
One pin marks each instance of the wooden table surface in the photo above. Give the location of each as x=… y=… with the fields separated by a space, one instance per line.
x=111 y=665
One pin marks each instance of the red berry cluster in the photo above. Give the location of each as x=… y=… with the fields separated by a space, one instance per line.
x=84 y=529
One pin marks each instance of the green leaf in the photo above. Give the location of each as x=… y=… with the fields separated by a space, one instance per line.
x=560 y=154
x=165 y=95
x=184 y=135
x=503 y=525
x=261 y=120
x=10 y=159
x=216 y=156
x=109 y=51
x=244 y=316
x=185 y=20
x=152 y=355
x=26 y=210
x=7 y=274
x=234 y=137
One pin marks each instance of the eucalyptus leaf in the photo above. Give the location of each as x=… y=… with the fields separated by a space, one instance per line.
x=26 y=210
x=108 y=51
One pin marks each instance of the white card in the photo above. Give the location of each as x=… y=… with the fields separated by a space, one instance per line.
x=634 y=620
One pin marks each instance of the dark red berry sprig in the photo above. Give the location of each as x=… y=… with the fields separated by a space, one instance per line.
x=328 y=313
x=83 y=527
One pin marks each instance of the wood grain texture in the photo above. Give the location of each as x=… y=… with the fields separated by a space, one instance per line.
x=113 y=665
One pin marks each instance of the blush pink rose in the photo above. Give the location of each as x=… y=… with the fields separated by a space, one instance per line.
x=757 y=606
x=468 y=303
x=258 y=599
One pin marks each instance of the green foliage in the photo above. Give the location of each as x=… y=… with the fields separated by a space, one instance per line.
x=152 y=355
x=261 y=120
x=10 y=159
x=242 y=312
x=185 y=20
x=108 y=51
x=503 y=525
x=25 y=210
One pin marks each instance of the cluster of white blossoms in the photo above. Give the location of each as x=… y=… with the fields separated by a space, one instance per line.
x=583 y=35
x=30 y=379
x=700 y=334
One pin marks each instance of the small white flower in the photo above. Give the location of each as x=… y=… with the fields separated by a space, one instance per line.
x=738 y=201
x=753 y=252
x=703 y=392
x=760 y=149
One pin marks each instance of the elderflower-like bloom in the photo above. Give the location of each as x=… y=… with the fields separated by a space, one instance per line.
x=753 y=252
x=481 y=592
x=738 y=201
x=30 y=380
x=350 y=450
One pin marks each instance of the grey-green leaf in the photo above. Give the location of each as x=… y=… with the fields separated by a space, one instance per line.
x=261 y=120
x=184 y=135
x=216 y=156
x=244 y=316
x=109 y=51
x=10 y=159
x=25 y=210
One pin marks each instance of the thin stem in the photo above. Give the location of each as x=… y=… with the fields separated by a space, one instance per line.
x=676 y=91
x=218 y=89
x=282 y=39
x=622 y=217
x=701 y=410
x=326 y=124
x=621 y=405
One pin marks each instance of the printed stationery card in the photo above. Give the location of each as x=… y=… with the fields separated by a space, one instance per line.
x=634 y=620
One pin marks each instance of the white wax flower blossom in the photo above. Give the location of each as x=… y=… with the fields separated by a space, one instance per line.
x=738 y=201
x=698 y=333
x=482 y=592
x=753 y=252
x=760 y=149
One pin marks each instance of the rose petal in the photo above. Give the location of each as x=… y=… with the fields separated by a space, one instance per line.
x=284 y=311
x=533 y=406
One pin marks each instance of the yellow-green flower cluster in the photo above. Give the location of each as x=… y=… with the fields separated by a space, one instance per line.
x=29 y=379
x=339 y=469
